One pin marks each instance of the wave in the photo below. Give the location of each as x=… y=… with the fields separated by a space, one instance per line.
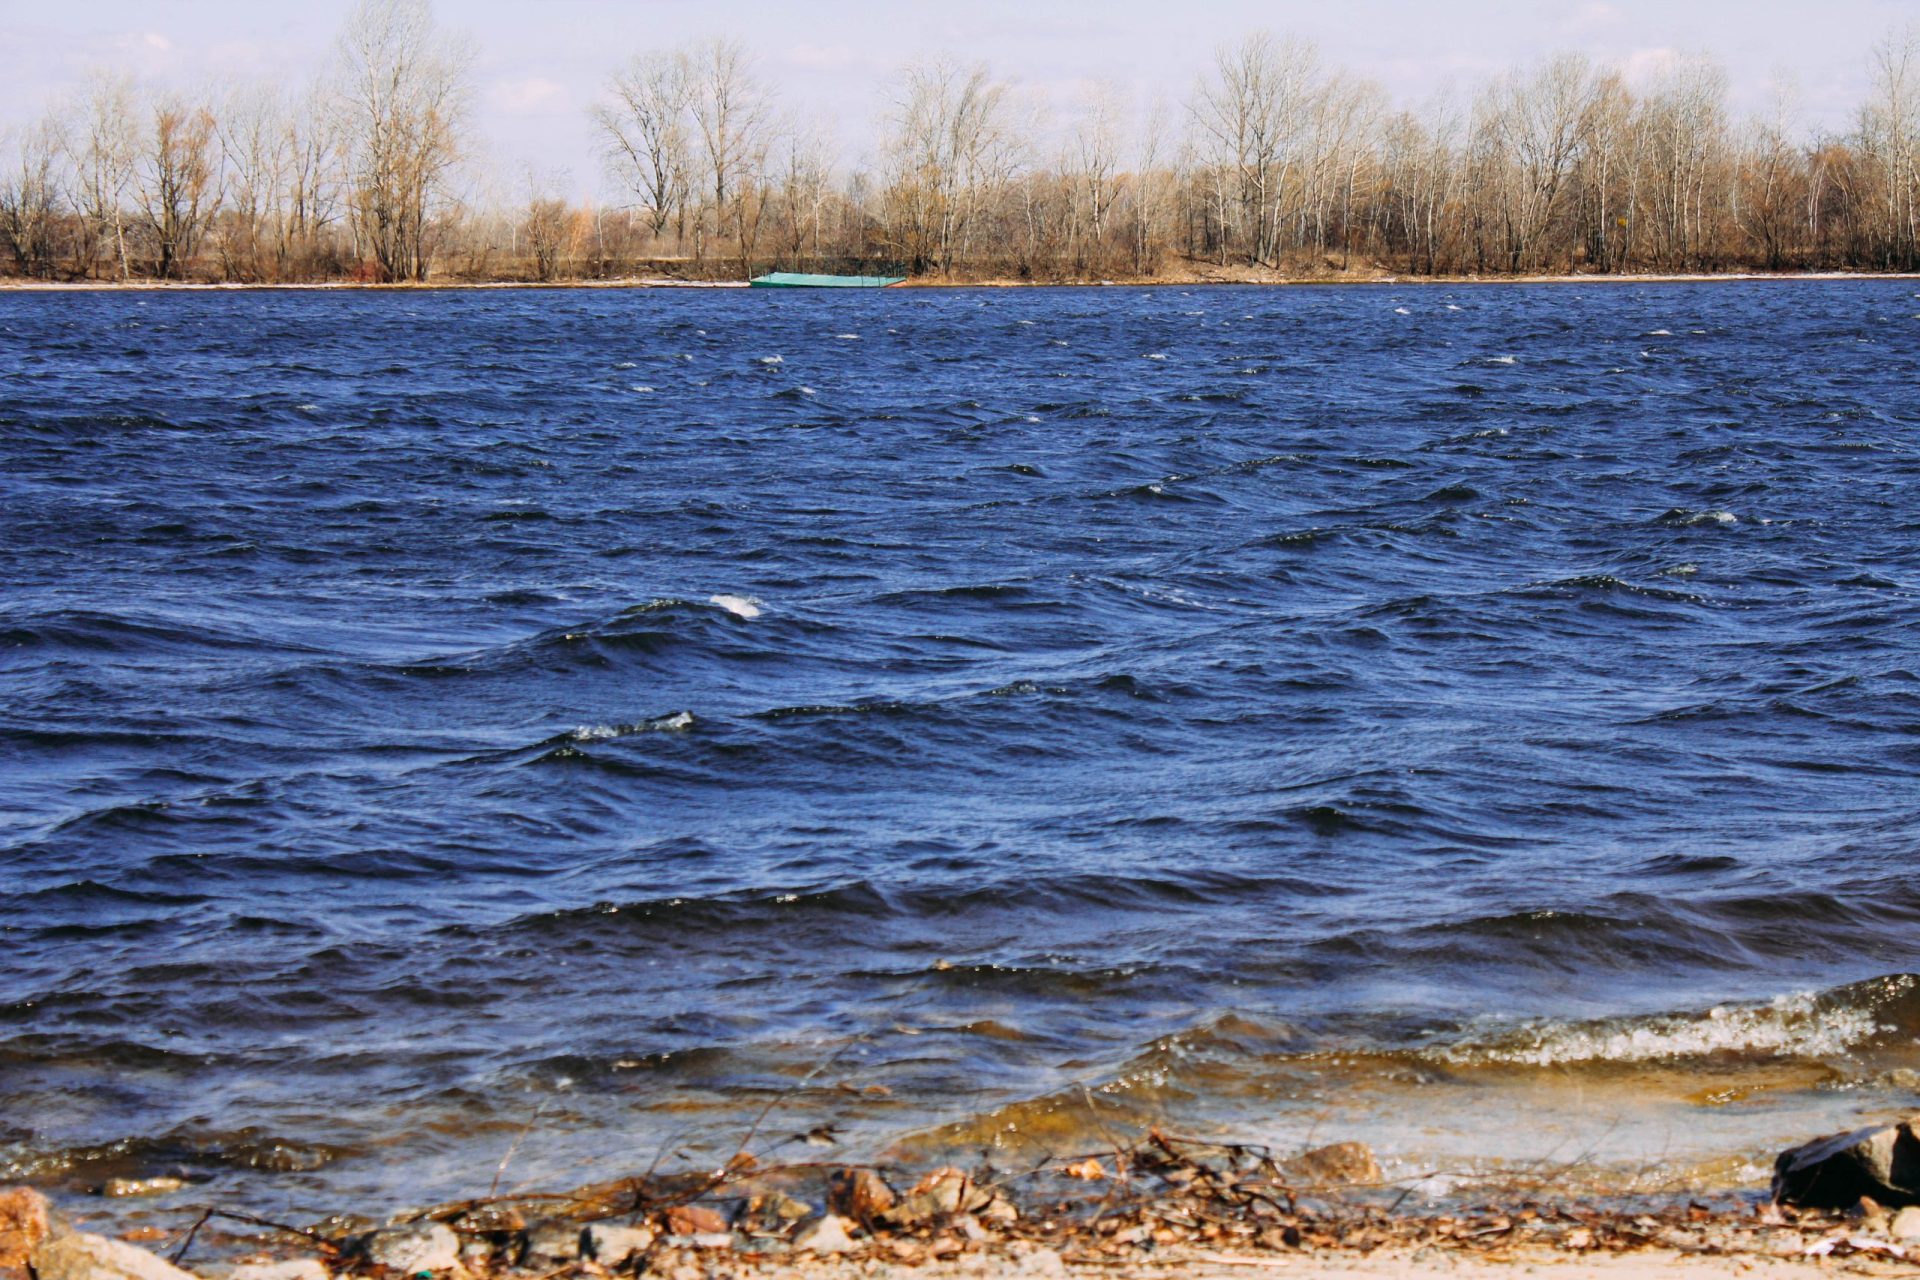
x=1807 y=1026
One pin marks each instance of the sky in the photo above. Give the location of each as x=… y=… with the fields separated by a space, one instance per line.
x=539 y=64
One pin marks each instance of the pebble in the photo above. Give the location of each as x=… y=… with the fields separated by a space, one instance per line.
x=1906 y=1224
x=550 y=1242
x=412 y=1248
x=828 y=1233
x=298 y=1269
x=612 y=1244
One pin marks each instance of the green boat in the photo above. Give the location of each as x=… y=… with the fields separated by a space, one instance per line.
x=801 y=280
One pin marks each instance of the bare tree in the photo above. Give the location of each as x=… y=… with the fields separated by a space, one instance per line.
x=175 y=182
x=30 y=198
x=101 y=152
x=403 y=87
x=1890 y=137
x=547 y=226
x=804 y=172
x=730 y=115
x=1770 y=188
x=949 y=137
x=645 y=124
x=1531 y=130
x=1252 y=119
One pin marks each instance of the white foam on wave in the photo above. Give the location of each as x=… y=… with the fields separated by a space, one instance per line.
x=1499 y=360
x=679 y=722
x=807 y=391
x=738 y=606
x=1402 y=311
x=1154 y=355
x=640 y=388
x=1658 y=333
x=626 y=364
x=847 y=337
x=772 y=360
x=1453 y=307
x=1790 y=1026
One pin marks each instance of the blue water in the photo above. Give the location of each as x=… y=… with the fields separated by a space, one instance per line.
x=426 y=713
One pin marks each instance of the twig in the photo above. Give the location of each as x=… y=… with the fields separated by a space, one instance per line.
x=192 y=1231
x=514 y=1146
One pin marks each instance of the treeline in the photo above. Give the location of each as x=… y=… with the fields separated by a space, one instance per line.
x=1276 y=162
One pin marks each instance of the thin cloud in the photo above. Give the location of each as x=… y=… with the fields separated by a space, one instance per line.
x=530 y=96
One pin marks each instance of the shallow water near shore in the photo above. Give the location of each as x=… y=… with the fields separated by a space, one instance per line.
x=1479 y=721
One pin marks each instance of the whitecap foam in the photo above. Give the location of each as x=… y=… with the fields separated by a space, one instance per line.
x=626 y=364
x=1402 y=311
x=1789 y=1026
x=772 y=360
x=738 y=606
x=1154 y=355
x=678 y=722
x=640 y=388
x=1499 y=360
x=847 y=337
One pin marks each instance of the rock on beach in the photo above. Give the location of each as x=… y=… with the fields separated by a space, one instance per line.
x=412 y=1248
x=24 y=1222
x=1881 y=1162
x=78 y=1255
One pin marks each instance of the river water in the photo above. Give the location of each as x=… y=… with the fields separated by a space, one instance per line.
x=1479 y=720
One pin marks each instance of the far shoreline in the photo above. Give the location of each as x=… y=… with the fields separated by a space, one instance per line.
x=18 y=285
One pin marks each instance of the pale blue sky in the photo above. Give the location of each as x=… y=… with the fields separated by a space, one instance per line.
x=540 y=62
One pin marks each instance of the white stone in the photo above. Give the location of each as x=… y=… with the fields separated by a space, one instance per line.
x=825 y=1234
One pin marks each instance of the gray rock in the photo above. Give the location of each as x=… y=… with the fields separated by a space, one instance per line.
x=1906 y=1224
x=412 y=1248
x=297 y=1269
x=1881 y=1162
x=828 y=1233
x=611 y=1244
x=550 y=1242
x=77 y=1255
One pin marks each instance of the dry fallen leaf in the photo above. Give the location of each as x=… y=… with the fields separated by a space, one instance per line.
x=1088 y=1170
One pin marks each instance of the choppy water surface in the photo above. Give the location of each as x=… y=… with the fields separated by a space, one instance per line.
x=1482 y=721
